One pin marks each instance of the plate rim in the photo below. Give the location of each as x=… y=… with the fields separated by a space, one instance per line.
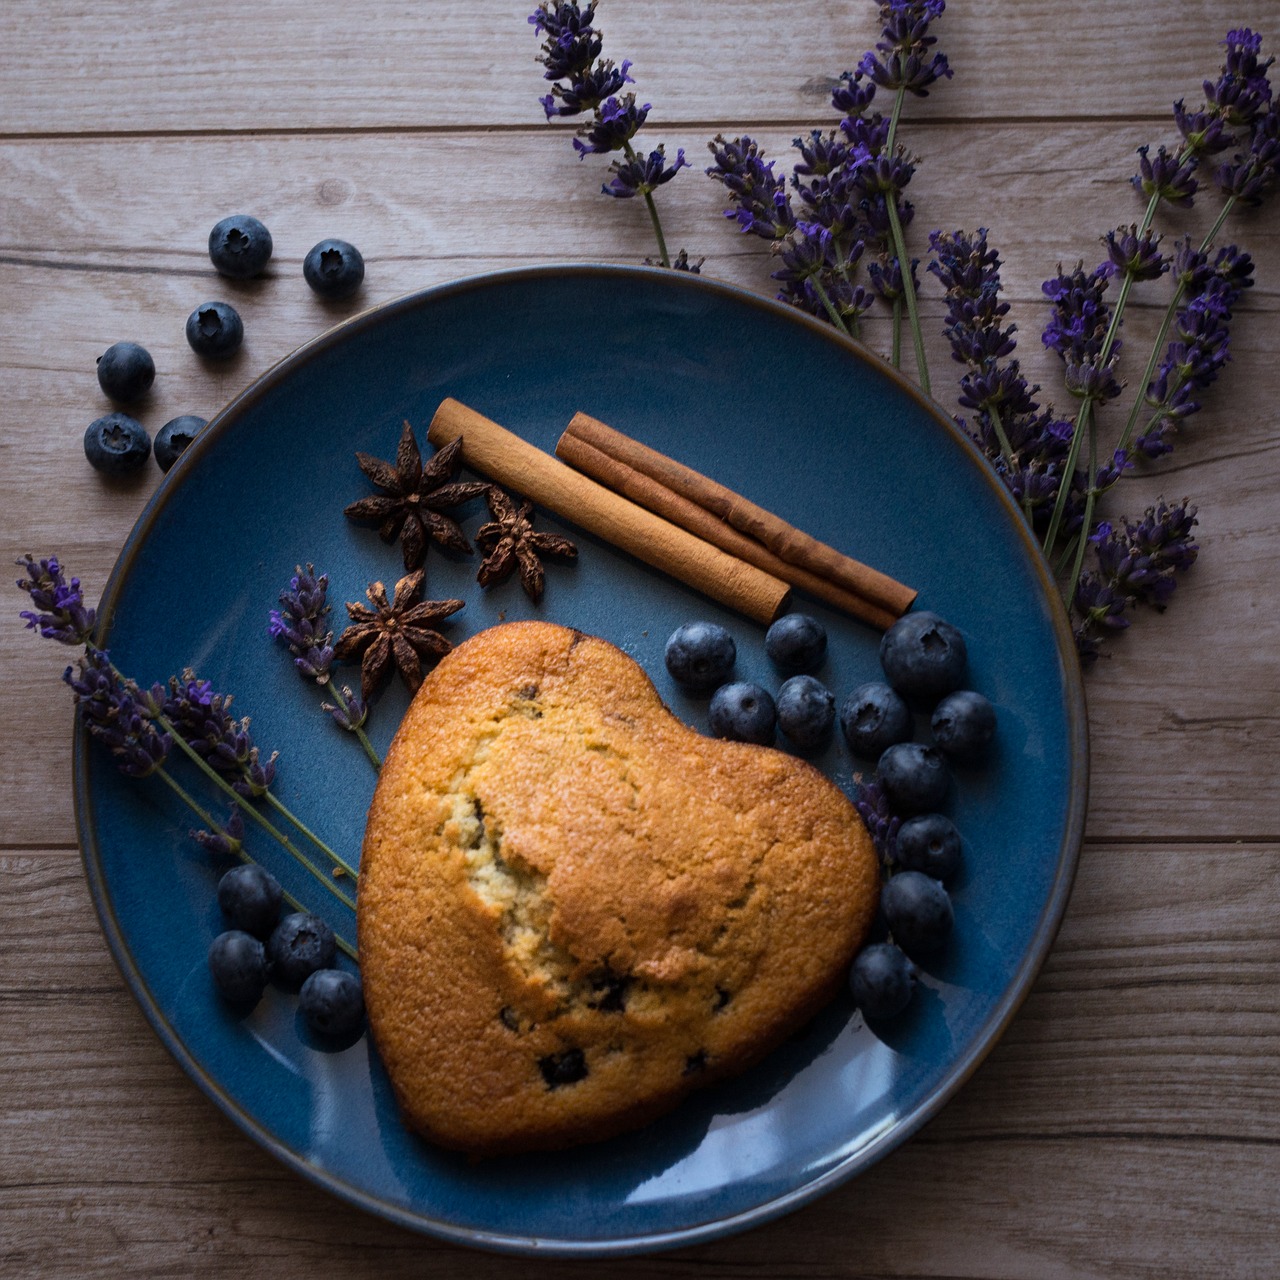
x=961 y=1069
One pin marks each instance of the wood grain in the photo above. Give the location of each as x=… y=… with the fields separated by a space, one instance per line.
x=1126 y=1125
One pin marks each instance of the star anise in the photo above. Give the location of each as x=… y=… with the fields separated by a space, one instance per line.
x=509 y=541
x=395 y=633
x=414 y=498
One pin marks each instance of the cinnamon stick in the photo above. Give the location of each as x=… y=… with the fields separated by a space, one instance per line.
x=788 y=543
x=506 y=458
x=697 y=520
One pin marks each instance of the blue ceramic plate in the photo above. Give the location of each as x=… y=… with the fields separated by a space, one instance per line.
x=774 y=405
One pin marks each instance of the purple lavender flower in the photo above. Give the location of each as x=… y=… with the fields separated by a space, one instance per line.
x=203 y=720
x=759 y=199
x=617 y=121
x=1135 y=255
x=1250 y=175
x=1079 y=318
x=881 y=822
x=1137 y=564
x=1169 y=177
x=588 y=89
x=110 y=712
x=808 y=253
x=300 y=623
x=1242 y=92
x=351 y=713
x=904 y=44
x=227 y=840
x=60 y=613
x=639 y=175
x=853 y=95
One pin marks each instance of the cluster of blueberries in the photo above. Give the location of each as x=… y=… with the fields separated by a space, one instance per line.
x=924 y=660
x=239 y=248
x=297 y=952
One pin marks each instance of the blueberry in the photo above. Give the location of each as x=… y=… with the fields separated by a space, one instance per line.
x=299 y=945
x=929 y=843
x=334 y=269
x=923 y=657
x=174 y=437
x=116 y=444
x=239 y=246
x=796 y=642
x=743 y=712
x=806 y=711
x=919 y=912
x=250 y=898
x=700 y=655
x=239 y=967
x=963 y=724
x=873 y=717
x=126 y=371
x=915 y=778
x=332 y=1001
x=215 y=330
x=882 y=980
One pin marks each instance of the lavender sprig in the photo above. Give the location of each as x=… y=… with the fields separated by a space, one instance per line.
x=60 y=612
x=582 y=81
x=302 y=624
x=878 y=816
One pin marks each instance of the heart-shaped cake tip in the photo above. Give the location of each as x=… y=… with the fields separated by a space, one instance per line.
x=574 y=909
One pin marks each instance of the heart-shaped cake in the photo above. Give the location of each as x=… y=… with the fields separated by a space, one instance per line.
x=574 y=909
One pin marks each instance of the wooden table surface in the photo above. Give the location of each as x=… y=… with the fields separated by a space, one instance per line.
x=1128 y=1123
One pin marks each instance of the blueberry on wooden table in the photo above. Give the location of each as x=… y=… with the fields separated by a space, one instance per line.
x=299 y=945
x=882 y=980
x=334 y=269
x=796 y=643
x=250 y=898
x=806 y=711
x=700 y=656
x=963 y=724
x=215 y=330
x=116 y=444
x=915 y=778
x=874 y=717
x=743 y=712
x=923 y=657
x=239 y=246
x=332 y=1001
x=919 y=912
x=174 y=437
x=239 y=965
x=929 y=843
x=126 y=371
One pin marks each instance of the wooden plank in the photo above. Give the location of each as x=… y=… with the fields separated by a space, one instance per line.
x=1142 y=1065
x=242 y=66
x=84 y=261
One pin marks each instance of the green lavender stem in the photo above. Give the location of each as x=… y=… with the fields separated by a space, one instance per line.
x=207 y=818
x=895 y=349
x=653 y=213
x=835 y=317
x=374 y=758
x=900 y=251
x=1090 y=500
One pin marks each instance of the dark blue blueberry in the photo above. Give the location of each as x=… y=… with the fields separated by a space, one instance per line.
x=174 y=437
x=126 y=371
x=332 y=1001
x=215 y=330
x=299 y=945
x=915 y=778
x=796 y=642
x=238 y=963
x=923 y=657
x=964 y=724
x=250 y=898
x=806 y=711
x=872 y=718
x=929 y=843
x=334 y=269
x=919 y=912
x=700 y=655
x=882 y=980
x=239 y=246
x=116 y=444
x=743 y=712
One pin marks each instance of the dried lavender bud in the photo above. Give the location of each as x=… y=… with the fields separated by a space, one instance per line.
x=110 y=712
x=300 y=623
x=60 y=613
x=202 y=718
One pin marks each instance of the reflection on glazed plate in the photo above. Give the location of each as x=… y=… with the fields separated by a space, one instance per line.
x=779 y=408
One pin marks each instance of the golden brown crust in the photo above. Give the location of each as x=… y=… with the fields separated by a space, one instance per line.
x=574 y=909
